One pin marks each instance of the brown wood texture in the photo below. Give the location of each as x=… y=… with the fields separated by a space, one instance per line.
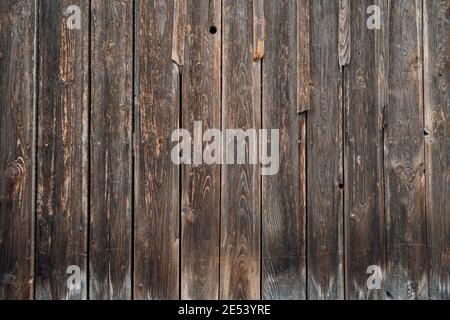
x=324 y=158
x=87 y=117
x=156 y=215
x=283 y=194
x=62 y=186
x=437 y=141
x=111 y=150
x=241 y=184
x=200 y=206
x=17 y=148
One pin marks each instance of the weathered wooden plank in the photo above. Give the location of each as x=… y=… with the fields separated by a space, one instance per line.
x=241 y=184
x=17 y=148
x=62 y=199
x=156 y=240
x=324 y=157
x=200 y=208
x=111 y=141
x=344 y=32
x=437 y=142
x=283 y=197
x=303 y=52
x=406 y=274
x=363 y=157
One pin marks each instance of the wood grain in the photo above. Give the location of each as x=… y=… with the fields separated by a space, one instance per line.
x=437 y=142
x=363 y=157
x=157 y=87
x=17 y=148
x=406 y=275
x=324 y=157
x=283 y=194
x=62 y=199
x=201 y=85
x=241 y=184
x=303 y=53
x=111 y=147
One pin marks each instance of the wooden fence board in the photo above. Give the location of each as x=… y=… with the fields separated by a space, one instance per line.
x=200 y=211
x=62 y=199
x=437 y=142
x=404 y=155
x=241 y=184
x=17 y=148
x=283 y=197
x=324 y=158
x=111 y=147
x=156 y=232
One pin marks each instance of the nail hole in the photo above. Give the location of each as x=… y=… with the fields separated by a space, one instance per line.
x=213 y=29
x=426 y=133
x=341 y=186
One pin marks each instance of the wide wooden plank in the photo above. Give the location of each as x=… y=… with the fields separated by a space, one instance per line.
x=17 y=147
x=324 y=157
x=406 y=274
x=241 y=183
x=200 y=207
x=437 y=142
x=62 y=199
x=111 y=147
x=157 y=88
x=363 y=156
x=283 y=197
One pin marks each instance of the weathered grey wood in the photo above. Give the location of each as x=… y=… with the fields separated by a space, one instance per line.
x=324 y=157
x=156 y=238
x=17 y=148
x=241 y=184
x=62 y=199
x=111 y=147
x=437 y=142
x=283 y=197
x=303 y=52
x=345 y=32
x=200 y=211
x=406 y=274
x=363 y=156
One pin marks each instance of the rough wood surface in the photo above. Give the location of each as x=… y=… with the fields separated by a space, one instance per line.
x=111 y=147
x=17 y=148
x=157 y=87
x=363 y=157
x=62 y=199
x=283 y=194
x=324 y=158
x=303 y=52
x=200 y=207
x=241 y=184
x=406 y=274
x=437 y=142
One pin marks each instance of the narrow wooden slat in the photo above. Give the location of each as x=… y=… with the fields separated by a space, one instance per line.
x=303 y=52
x=363 y=158
x=241 y=184
x=437 y=110
x=156 y=238
x=201 y=183
x=324 y=157
x=258 y=29
x=283 y=197
x=62 y=200
x=17 y=148
x=344 y=32
x=406 y=274
x=111 y=141
x=179 y=31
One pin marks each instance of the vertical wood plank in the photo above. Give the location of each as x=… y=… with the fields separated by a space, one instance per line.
x=241 y=184
x=283 y=210
x=324 y=157
x=201 y=183
x=404 y=155
x=303 y=53
x=111 y=141
x=62 y=200
x=437 y=142
x=363 y=157
x=17 y=148
x=156 y=242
